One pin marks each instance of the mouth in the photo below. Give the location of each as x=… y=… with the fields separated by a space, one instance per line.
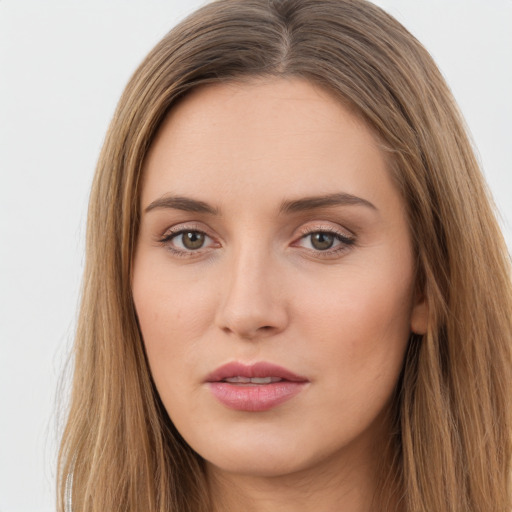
x=258 y=373
x=244 y=381
x=254 y=388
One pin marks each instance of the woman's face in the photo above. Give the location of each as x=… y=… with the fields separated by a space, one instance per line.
x=273 y=277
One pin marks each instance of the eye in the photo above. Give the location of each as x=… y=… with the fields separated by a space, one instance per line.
x=322 y=241
x=325 y=241
x=186 y=240
x=190 y=240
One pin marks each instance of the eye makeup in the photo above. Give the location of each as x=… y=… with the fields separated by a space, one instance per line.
x=318 y=240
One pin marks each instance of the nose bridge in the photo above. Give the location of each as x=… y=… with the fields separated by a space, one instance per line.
x=252 y=304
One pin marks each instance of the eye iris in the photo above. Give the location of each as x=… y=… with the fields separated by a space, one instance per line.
x=322 y=241
x=192 y=239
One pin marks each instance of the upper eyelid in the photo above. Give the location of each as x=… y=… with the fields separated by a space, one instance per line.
x=185 y=226
x=320 y=227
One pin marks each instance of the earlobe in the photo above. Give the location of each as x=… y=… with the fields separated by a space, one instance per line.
x=419 y=316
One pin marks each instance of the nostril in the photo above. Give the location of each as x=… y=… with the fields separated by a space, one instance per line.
x=249 y=313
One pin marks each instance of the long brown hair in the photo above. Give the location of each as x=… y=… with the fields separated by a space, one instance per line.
x=451 y=445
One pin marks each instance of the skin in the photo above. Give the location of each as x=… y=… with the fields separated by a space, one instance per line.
x=259 y=289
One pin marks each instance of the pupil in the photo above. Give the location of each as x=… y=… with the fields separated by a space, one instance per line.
x=193 y=240
x=322 y=241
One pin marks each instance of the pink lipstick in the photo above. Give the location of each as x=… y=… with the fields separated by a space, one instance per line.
x=254 y=388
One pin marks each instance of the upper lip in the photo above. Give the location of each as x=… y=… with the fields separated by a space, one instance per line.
x=260 y=369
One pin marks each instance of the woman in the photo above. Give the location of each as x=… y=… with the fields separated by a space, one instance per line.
x=296 y=295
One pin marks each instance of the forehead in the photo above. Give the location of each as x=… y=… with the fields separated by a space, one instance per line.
x=269 y=138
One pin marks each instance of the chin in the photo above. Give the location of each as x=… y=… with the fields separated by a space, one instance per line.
x=280 y=449
x=250 y=453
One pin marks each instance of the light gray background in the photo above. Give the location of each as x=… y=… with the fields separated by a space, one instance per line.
x=63 y=65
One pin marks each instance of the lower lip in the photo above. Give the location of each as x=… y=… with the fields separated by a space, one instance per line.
x=257 y=397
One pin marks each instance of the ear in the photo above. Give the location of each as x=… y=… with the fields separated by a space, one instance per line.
x=419 y=314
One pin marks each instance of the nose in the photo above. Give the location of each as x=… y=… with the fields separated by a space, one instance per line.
x=252 y=304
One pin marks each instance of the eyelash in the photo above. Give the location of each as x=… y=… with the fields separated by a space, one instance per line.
x=345 y=242
x=169 y=236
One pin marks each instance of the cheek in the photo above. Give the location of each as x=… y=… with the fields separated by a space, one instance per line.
x=173 y=314
x=358 y=325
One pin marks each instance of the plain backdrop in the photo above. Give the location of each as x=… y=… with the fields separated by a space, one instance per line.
x=63 y=65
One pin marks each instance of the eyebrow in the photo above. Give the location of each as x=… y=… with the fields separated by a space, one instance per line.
x=314 y=202
x=293 y=206
x=182 y=203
